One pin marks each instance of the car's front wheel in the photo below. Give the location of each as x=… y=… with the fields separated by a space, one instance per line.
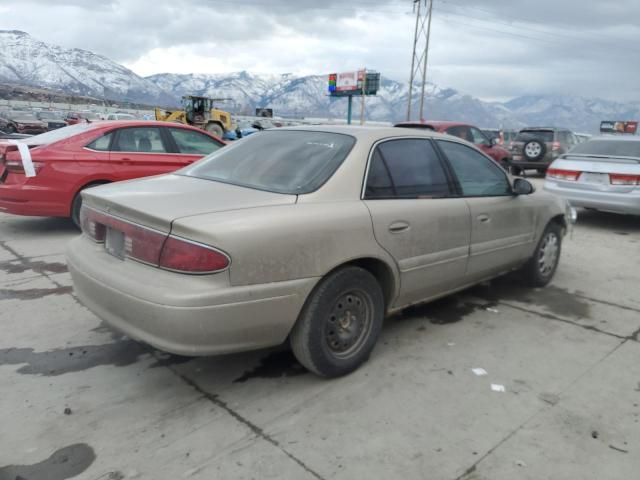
x=541 y=267
x=340 y=323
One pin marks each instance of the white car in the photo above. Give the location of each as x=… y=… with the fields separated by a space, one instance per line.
x=601 y=174
x=120 y=116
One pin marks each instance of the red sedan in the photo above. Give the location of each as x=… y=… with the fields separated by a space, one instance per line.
x=70 y=159
x=466 y=132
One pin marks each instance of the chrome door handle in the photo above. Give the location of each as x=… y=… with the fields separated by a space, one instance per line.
x=484 y=218
x=397 y=227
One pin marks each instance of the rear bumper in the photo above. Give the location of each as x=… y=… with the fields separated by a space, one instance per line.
x=628 y=202
x=32 y=200
x=183 y=314
x=518 y=160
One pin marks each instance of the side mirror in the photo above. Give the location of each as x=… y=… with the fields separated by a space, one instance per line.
x=493 y=141
x=522 y=187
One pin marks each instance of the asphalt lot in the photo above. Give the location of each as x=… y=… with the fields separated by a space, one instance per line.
x=77 y=399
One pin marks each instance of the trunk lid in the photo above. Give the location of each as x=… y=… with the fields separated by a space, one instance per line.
x=156 y=202
x=595 y=171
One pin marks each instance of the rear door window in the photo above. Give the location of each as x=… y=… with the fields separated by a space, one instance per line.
x=142 y=140
x=192 y=142
x=406 y=168
x=101 y=143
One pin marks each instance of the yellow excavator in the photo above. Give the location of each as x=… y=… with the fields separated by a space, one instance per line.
x=199 y=112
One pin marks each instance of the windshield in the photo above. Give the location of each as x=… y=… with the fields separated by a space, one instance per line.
x=57 y=135
x=282 y=161
x=526 y=135
x=49 y=116
x=609 y=148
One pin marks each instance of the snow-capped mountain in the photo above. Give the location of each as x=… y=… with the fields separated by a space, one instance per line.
x=290 y=95
x=30 y=62
x=578 y=113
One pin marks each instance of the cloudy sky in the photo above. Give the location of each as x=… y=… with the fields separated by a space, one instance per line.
x=493 y=49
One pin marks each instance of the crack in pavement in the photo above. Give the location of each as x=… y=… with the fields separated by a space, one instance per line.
x=466 y=474
x=605 y=302
x=259 y=432
x=550 y=316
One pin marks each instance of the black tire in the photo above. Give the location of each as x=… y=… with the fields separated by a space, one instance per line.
x=11 y=128
x=536 y=145
x=540 y=268
x=504 y=163
x=215 y=129
x=517 y=171
x=320 y=338
x=76 y=205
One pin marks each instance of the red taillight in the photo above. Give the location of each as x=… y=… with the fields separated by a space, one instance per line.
x=624 y=179
x=15 y=166
x=555 y=146
x=89 y=223
x=563 y=174
x=140 y=243
x=153 y=247
x=184 y=256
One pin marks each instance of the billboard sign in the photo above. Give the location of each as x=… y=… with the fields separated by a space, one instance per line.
x=351 y=83
x=618 y=126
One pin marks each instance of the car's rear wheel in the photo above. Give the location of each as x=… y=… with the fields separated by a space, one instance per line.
x=541 y=267
x=340 y=323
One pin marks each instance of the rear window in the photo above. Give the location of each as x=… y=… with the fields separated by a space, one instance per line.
x=417 y=125
x=526 y=135
x=57 y=135
x=613 y=148
x=23 y=117
x=281 y=161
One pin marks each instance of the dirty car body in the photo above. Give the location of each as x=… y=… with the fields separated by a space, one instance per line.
x=311 y=233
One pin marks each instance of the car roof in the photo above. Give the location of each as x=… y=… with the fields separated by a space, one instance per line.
x=549 y=129
x=366 y=133
x=435 y=123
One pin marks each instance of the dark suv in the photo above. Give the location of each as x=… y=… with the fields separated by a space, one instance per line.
x=538 y=147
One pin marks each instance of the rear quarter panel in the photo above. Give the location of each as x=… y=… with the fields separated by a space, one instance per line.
x=278 y=243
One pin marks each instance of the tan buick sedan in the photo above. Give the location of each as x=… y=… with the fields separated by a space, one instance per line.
x=311 y=234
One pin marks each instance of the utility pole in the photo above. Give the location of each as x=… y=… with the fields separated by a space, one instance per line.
x=420 y=56
x=364 y=82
